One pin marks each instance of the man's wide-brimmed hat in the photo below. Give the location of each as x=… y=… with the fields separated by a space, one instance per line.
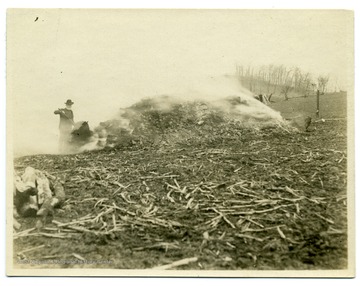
x=69 y=102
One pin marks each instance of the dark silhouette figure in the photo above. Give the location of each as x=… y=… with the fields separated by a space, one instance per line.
x=66 y=125
x=307 y=123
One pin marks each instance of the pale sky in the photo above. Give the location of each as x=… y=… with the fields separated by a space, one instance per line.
x=106 y=59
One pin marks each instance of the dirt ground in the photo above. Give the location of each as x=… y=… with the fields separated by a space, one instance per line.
x=244 y=199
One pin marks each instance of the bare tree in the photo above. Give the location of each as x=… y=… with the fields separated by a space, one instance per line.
x=322 y=83
x=287 y=83
x=306 y=84
x=298 y=78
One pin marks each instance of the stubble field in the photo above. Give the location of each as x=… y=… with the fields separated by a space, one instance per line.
x=230 y=198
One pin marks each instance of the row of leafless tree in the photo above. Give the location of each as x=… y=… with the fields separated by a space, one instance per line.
x=278 y=79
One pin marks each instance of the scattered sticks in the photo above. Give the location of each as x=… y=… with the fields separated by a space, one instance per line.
x=165 y=209
x=176 y=263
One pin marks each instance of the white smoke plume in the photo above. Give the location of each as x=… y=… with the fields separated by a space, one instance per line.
x=39 y=134
x=222 y=96
x=215 y=92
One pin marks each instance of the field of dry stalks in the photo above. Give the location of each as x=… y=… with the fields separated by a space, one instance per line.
x=222 y=198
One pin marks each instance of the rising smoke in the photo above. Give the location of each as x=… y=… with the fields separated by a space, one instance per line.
x=42 y=134
x=215 y=92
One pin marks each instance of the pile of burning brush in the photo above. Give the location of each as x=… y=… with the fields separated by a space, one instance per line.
x=172 y=121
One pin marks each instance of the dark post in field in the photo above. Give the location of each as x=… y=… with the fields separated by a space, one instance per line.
x=317 y=103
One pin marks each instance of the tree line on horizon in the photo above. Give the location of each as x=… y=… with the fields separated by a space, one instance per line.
x=279 y=79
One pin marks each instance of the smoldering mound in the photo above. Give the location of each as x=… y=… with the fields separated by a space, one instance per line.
x=168 y=120
x=199 y=110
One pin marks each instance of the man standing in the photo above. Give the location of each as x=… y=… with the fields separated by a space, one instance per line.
x=66 y=125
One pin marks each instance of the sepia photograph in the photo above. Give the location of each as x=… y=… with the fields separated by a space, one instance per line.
x=180 y=142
